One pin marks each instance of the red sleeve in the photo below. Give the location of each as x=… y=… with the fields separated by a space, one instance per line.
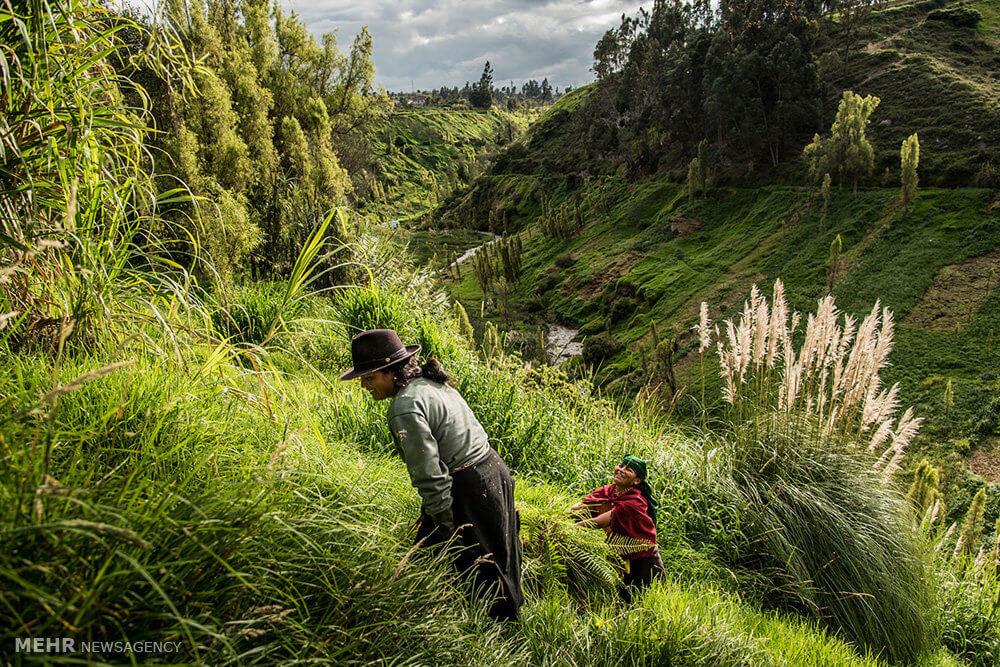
x=598 y=495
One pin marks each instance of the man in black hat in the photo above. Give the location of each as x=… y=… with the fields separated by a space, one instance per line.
x=466 y=488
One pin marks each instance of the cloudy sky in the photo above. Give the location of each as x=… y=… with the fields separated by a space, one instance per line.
x=430 y=43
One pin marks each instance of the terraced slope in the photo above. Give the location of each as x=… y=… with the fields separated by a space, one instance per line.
x=937 y=77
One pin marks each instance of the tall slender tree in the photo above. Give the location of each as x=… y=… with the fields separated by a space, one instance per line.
x=909 y=157
x=481 y=96
x=847 y=150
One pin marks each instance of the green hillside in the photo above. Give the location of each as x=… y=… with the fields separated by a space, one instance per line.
x=424 y=155
x=645 y=253
x=935 y=75
x=180 y=464
x=934 y=78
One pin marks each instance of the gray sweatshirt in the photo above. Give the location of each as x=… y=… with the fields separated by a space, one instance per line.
x=437 y=433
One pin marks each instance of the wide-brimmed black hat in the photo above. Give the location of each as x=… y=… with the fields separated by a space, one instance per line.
x=374 y=350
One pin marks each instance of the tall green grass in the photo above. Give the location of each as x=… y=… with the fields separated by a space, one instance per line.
x=160 y=482
x=167 y=509
x=806 y=524
x=77 y=197
x=822 y=534
x=201 y=487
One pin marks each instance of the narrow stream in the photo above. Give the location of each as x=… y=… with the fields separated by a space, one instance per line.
x=560 y=345
x=472 y=251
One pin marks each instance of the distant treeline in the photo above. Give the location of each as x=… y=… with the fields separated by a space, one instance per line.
x=482 y=94
x=744 y=75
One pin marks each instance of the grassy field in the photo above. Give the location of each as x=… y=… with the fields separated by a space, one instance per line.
x=255 y=480
x=647 y=254
x=425 y=154
x=178 y=461
x=937 y=79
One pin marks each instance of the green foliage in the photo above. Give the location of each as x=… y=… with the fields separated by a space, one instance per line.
x=825 y=193
x=833 y=262
x=650 y=58
x=265 y=497
x=960 y=17
x=375 y=307
x=969 y=593
x=659 y=363
x=970 y=606
x=464 y=327
x=972 y=526
x=250 y=314
x=559 y=555
x=484 y=270
x=481 y=96
x=924 y=491
x=491 y=346
x=76 y=196
x=434 y=154
x=847 y=151
x=265 y=140
x=703 y=165
x=561 y=222
x=213 y=485
x=694 y=182
x=832 y=539
x=509 y=251
x=676 y=625
x=599 y=348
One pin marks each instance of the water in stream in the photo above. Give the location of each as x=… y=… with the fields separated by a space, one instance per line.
x=560 y=345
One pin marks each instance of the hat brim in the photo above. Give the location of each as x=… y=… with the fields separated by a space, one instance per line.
x=354 y=373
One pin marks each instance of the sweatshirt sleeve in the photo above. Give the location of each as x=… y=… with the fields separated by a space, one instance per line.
x=598 y=495
x=428 y=473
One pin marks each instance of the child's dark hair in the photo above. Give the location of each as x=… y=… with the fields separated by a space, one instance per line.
x=431 y=369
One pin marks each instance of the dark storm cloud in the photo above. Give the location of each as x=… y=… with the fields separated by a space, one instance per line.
x=447 y=42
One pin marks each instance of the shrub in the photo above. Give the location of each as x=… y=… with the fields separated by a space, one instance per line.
x=376 y=307
x=548 y=282
x=987 y=417
x=564 y=261
x=621 y=308
x=960 y=17
x=970 y=608
x=814 y=443
x=987 y=176
x=830 y=539
x=597 y=349
x=253 y=313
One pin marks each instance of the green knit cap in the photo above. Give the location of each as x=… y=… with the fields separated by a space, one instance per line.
x=638 y=466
